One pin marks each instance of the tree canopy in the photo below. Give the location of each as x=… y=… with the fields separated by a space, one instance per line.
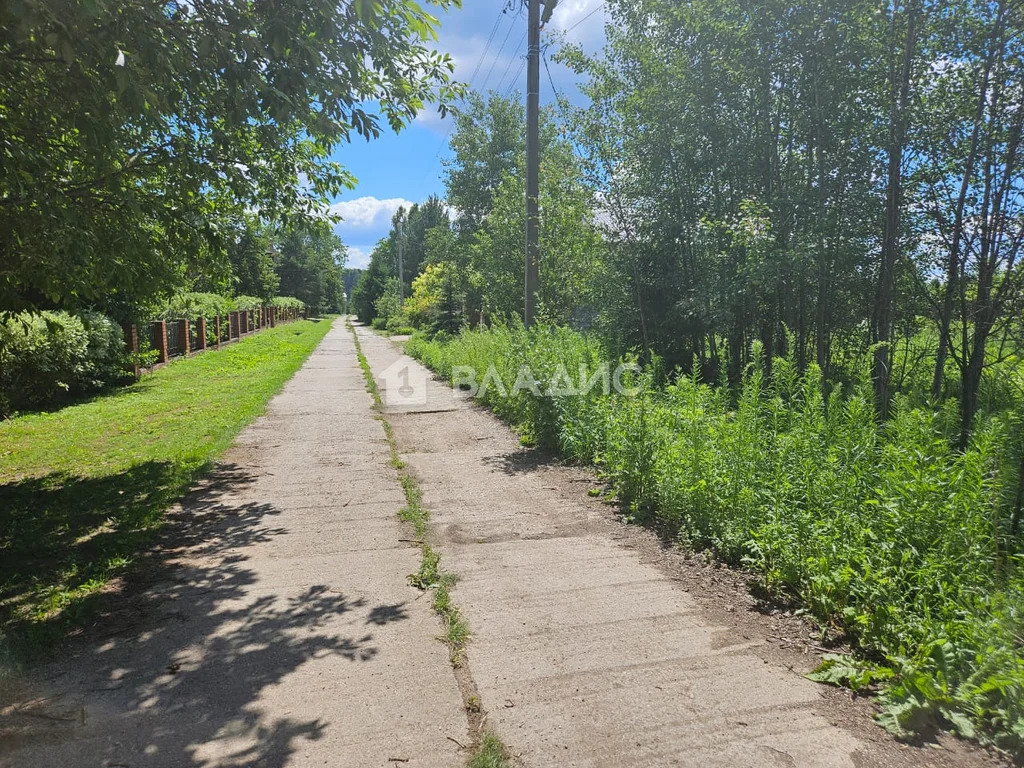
x=134 y=133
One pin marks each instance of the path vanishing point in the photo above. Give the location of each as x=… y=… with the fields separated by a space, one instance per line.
x=277 y=626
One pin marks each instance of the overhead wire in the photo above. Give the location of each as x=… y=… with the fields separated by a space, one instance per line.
x=512 y=60
x=515 y=77
x=479 y=63
x=487 y=46
x=598 y=8
x=512 y=26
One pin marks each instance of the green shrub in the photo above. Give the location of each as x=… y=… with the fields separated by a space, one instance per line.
x=287 y=302
x=50 y=356
x=246 y=303
x=192 y=306
x=885 y=533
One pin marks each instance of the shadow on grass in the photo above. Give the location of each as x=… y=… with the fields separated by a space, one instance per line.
x=69 y=400
x=181 y=665
x=62 y=538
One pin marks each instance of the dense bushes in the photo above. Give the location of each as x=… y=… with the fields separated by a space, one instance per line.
x=192 y=306
x=883 y=532
x=47 y=356
x=195 y=305
x=287 y=302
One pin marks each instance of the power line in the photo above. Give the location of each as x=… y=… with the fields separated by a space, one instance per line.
x=551 y=80
x=498 y=55
x=476 y=70
x=487 y=47
x=598 y=8
x=511 y=61
x=512 y=82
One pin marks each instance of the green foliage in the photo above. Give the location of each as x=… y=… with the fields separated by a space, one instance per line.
x=287 y=302
x=389 y=314
x=137 y=132
x=884 y=532
x=857 y=675
x=388 y=305
x=252 y=264
x=192 y=306
x=432 y=296
x=485 y=184
x=247 y=303
x=415 y=229
x=51 y=356
x=309 y=259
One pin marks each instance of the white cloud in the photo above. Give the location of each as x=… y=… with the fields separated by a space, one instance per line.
x=367 y=212
x=587 y=26
x=430 y=118
x=493 y=64
x=358 y=258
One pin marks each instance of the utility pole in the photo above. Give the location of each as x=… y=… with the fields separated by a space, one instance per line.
x=532 y=163
x=401 y=276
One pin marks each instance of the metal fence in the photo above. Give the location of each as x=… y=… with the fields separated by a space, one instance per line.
x=177 y=338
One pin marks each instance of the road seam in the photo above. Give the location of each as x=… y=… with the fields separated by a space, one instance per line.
x=431 y=577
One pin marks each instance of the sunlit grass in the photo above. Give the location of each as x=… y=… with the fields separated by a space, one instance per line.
x=83 y=488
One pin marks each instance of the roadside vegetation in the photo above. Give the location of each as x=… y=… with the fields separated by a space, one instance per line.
x=891 y=538
x=83 y=489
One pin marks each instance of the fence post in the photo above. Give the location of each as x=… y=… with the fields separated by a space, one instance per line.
x=161 y=341
x=188 y=336
x=201 y=332
x=131 y=338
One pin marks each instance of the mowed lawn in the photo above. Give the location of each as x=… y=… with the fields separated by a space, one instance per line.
x=83 y=489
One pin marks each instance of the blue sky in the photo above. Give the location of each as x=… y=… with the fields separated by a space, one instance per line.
x=400 y=169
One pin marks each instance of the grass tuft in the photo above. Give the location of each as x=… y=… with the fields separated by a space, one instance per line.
x=491 y=753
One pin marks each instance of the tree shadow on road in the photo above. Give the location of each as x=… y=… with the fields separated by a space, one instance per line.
x=180 y=665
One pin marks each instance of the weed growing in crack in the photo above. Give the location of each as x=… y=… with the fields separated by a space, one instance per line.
x=491 y=753
x=429 y=575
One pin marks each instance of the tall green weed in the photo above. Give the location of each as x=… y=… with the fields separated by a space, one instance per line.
x=885 y=533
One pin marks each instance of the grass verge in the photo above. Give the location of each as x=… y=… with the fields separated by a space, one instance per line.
x=429 y=576
x=83 y=489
